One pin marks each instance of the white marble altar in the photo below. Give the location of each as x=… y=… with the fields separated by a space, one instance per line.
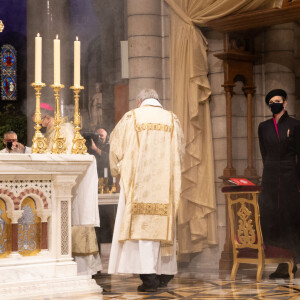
x=51 y=181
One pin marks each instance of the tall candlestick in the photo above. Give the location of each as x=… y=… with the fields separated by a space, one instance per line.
x=38 y=59
x=76 y=63
x=56 y=61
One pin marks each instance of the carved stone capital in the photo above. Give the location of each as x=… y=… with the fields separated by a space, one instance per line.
x=14 y=215
x=44 y=214
x=63 y=186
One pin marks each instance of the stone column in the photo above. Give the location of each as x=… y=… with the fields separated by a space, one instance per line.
x=14 y=215
x=49 y=18
x=63 y=187
x=279 y=62
x=145 y=47
x=44 y=214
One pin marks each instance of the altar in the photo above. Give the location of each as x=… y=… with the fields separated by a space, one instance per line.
x=38 y=199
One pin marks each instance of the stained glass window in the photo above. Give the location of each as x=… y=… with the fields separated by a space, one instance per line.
x=8 y=73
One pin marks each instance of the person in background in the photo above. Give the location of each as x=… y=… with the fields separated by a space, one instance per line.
x=10 y=140
x=99 y=147
x=146 y=149
x=48 y=122
x=279 y=201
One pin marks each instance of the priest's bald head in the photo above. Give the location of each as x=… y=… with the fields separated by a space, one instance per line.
x=146 y=94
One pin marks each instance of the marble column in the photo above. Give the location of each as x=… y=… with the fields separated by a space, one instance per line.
x=49 y=18
x=147 y=48
x=14 y=216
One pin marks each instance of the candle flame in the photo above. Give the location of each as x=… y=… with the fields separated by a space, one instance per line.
x=76 y=38
x=57 y=36
x=38 y=34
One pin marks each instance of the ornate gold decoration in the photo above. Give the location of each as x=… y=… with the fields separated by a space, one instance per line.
x=59 y=142
x=79 y=146
x=246 y=232
x=113 y=189
x=39 y=142
x=1 y=26
x=103 y=187
x=29 y=229
x=150 y=209
x=153 y=126
x=5 y=231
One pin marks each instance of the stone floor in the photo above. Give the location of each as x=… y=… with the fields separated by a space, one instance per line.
x=195 y=285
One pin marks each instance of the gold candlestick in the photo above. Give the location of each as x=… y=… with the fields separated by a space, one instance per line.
x=39 y=142
x=79 y=146
x=59 y=142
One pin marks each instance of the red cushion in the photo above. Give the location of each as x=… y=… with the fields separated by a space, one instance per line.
x=270 y=252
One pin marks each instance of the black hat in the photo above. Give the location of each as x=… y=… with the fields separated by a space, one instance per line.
x=276 y=92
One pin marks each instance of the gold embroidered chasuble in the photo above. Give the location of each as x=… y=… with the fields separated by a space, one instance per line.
x=146 y=149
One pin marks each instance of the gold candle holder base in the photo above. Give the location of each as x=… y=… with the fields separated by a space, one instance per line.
x=103 y=187
x=113 y=189
x=39 y=142
x=59 y=142
x=79 y=146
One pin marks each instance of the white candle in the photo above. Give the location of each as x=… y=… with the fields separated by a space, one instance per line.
x=56 y=61
x=114 y=180
x=105 y=172
x=76 y=63
x=38 y=59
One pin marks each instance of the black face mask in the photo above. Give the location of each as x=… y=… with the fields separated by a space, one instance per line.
x=276 y=108
x=9 y=145
x=43 y=130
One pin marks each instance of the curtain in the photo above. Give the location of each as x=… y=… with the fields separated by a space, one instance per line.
x=190 y=91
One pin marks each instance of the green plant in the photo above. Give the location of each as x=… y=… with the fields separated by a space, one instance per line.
x=12 y=119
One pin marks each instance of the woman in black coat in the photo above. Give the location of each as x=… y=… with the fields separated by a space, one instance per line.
x=280 y=198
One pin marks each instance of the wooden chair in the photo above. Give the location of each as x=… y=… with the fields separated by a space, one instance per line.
x=246 y=235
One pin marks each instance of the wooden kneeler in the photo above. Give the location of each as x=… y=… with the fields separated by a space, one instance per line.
x=246 y=235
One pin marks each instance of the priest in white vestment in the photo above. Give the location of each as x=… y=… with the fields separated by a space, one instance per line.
x=146 y=149
x=84 y=241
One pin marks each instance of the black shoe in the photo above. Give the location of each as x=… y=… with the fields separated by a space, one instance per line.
x=163 y=284
x=143 y=289
x=282 y=271
x=164 y=280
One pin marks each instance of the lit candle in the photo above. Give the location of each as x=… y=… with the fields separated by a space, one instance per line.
x=56 y=61
x=76 y=63
x=38 y=59
x=105 y=172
